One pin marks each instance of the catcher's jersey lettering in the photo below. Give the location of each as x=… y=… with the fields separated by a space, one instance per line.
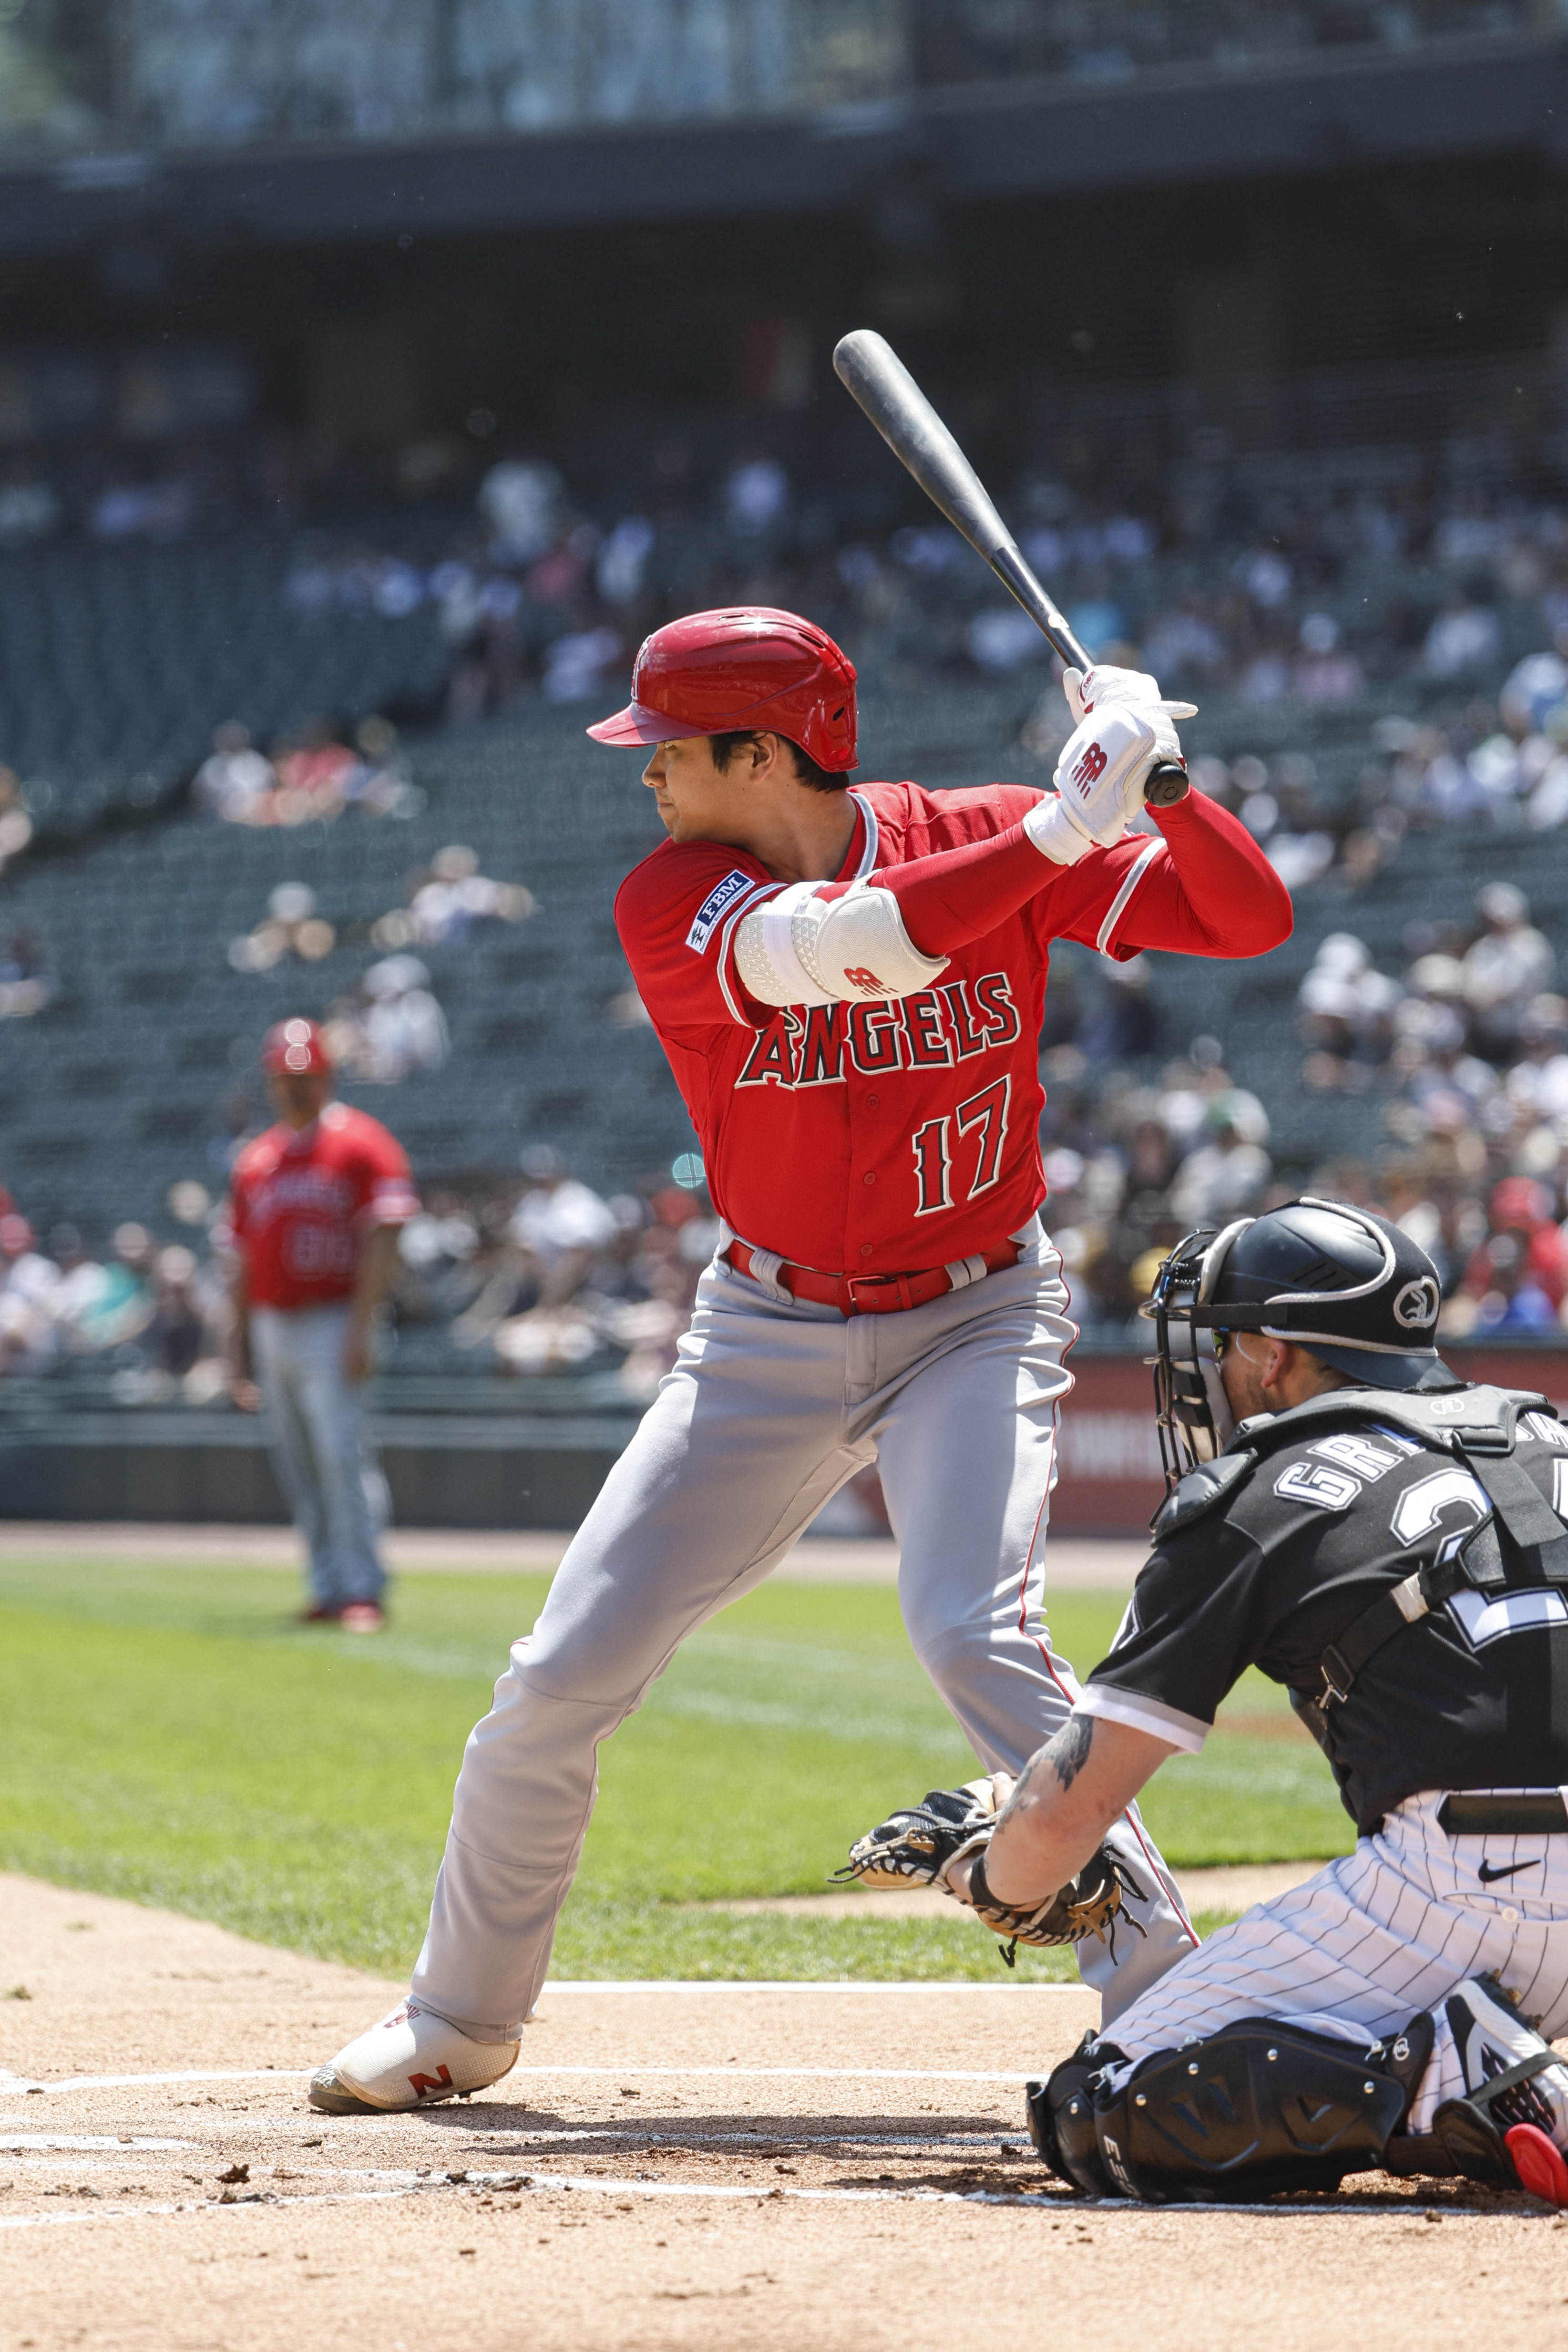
x=1420 y=1510
x=1331 y=1490
x=1481 y=1621
x=1360 y=1455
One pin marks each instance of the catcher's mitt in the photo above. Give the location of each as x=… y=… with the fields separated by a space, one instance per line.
x=922 y=1845
x=918 y=1845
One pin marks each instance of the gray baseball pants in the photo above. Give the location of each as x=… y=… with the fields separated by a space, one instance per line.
x=322 y=1450
x=771 y=1406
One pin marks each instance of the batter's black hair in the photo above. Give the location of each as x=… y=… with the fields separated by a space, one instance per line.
x=815 y=779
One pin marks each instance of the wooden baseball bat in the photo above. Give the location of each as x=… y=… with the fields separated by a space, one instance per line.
x=873 y=373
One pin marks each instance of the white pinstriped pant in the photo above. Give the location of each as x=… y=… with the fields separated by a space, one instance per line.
x=772 y=1405
x=1388 y=1930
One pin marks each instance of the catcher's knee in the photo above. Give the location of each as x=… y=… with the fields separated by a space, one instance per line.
x=1251 y=2110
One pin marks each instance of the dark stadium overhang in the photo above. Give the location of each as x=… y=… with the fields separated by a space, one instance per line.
x=1461 y=98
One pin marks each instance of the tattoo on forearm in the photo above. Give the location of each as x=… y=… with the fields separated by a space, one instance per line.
x=1069 y=1751
x=1066 y=1755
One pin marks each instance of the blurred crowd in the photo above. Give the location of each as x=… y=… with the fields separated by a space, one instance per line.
x=537 y=1275
x=308 y=778
x=1462 y=1053
x=155 y=1315
x=1270 y=590
x=546 y=1277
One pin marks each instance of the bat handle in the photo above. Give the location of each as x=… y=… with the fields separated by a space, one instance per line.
x=1168 y=784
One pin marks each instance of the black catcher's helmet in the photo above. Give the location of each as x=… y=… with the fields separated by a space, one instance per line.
x=1342 y=1282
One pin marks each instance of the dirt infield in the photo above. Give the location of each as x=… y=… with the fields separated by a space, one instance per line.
x=725 y=2166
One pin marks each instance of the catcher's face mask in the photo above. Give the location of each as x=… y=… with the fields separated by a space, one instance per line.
x=1191 y=1409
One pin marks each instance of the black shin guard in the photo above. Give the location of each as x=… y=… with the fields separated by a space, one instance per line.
x=1062 y=2117
x=1252 y=2110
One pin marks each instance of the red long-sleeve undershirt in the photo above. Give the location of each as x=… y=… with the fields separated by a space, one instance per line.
x=1216 y=895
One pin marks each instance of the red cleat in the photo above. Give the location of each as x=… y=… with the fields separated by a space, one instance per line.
x=361 y=1617
x=1538 y=2162
x=319 y=1613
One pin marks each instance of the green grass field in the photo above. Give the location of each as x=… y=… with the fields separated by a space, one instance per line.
x=173 y=1737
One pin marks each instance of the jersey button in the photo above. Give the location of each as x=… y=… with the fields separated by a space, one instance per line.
x=865 y=1249
x=870 y=1177
x=873 y=1102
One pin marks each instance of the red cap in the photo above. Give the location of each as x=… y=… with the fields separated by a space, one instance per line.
x=295 y=1047
x=749 y=666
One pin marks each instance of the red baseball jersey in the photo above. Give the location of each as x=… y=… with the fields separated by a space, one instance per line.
x=877 y=1137
x=300 y=1199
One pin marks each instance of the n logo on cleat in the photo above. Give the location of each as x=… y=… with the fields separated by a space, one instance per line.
x=423 y=2084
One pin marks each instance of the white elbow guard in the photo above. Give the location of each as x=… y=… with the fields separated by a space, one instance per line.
x=802 y=950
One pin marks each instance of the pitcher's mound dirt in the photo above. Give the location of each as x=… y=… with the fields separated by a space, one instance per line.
x=742 y=2168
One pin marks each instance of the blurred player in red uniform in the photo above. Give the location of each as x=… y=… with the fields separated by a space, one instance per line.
x=314 y=1209
x=849 y=986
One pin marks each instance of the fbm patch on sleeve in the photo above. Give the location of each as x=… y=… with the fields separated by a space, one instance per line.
x=723 y=894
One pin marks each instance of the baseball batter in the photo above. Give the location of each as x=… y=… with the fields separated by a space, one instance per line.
x=315 y=1205
x=848 y=987
x=1389 y=1544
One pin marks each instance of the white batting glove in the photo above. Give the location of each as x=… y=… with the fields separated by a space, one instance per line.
x=1124 y=730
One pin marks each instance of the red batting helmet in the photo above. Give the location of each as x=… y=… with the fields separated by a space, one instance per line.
x=728 y=672
x=294 y=1048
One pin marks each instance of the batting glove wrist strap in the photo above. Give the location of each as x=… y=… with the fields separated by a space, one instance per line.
x=1056 y=833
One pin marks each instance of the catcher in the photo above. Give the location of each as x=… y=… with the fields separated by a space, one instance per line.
x=1389 y=1544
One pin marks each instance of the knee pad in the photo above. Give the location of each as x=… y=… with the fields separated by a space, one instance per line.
x=1256 y=2108
x=1062 y=2117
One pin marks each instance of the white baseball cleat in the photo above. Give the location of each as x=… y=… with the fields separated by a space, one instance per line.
x=409 y=2060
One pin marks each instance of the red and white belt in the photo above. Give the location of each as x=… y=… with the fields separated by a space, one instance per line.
x=868 y=1294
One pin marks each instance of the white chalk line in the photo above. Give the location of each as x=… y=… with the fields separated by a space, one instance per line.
x=518 y=2073
x=15 y=2142
x=803 y=1984
x=1046 y=2201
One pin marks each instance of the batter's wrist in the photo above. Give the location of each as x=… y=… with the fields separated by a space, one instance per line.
x=1054 y=833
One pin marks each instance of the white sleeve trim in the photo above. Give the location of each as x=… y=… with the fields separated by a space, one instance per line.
x=873 y=837
x=1119 y=903
x=1140 y=1714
